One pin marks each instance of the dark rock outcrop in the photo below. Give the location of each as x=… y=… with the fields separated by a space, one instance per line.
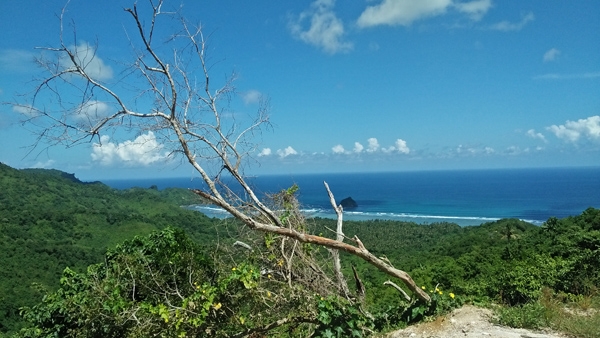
x=349 y=203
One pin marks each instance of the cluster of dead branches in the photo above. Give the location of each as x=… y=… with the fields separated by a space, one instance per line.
x=169 y=91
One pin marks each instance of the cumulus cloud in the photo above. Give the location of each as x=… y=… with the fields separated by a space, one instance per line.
x=251 y=96
x=372 y=145
x=474 y=9
x=338 y=149
x=507 y=26
x=144 y=150
x=325 y=29
x=358 y=148
x=551 y=55
x=573 y=131
x=286 y=152
x=404 y=13
x=533 y=134
x=399 y=146
x=265 y=152
x=85 y=54
x=402 y=147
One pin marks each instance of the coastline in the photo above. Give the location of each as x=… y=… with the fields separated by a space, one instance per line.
x=217 y=212
x=469 y=197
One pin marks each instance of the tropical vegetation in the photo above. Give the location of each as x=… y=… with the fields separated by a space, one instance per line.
x=84 y=260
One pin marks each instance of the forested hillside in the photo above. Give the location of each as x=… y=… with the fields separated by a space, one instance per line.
x=191 y=280
x=49 y=220
x=507 y=261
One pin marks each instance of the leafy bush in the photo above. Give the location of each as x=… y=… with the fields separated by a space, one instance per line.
x=162 y=285
x=338 y=318
x=530 y=316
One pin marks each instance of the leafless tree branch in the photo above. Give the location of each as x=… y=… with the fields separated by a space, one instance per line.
x=186 y=114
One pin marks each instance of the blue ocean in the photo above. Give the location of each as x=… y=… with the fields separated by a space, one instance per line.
x=465 y=197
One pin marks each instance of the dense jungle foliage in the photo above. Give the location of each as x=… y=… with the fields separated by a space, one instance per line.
x=140 y=265
x=49 y=220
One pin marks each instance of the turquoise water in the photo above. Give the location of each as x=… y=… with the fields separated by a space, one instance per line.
x=467 y=197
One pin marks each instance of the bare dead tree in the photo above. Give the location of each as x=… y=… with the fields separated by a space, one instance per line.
x=176 y=101
x=339 y=236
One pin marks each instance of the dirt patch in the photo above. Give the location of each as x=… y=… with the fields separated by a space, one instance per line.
x=468 y=322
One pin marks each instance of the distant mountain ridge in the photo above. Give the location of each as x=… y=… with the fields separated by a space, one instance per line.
x=55 y=172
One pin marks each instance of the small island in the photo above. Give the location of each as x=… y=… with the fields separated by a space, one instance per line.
x=349 y=203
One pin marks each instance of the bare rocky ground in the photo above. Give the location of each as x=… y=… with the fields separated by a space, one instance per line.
x=468 y=322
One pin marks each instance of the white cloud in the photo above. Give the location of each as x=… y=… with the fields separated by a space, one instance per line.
x=465 y=150
x=338 y=149
x=531 y=133
x=572 y=131
x=470 y=151
x=326 y=30
x=358 y=148
x=144 y=150
x=373 y=145
x=515 y=150
x=551 y=55
x=286 y=152
x=15 y=60
x=554 y=76
x=251 y=96
x=475 y=9
x=401 y=146
x=507 y=26
x=27 y=111
x=44 y=165
x=394 y=12
x=92 y=64
x=92 y=111
x=405 y=12
x=265 y=152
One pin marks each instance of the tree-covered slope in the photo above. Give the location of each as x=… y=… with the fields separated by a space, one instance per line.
x=49 y=220
x=508 y=261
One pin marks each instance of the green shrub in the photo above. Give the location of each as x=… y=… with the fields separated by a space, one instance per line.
x=529 y=316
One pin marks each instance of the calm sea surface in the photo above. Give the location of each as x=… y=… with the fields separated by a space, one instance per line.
x=468 y=197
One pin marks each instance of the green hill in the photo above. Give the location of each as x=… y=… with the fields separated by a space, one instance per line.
x=50 y=220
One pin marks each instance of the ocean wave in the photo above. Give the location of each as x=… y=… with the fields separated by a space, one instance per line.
x=218 y=212
x=404 y=215
x=209 y=210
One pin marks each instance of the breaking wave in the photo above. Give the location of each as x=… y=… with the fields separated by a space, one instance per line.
x=217 y=212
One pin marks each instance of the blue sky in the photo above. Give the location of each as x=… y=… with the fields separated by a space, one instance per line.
x=375 y=85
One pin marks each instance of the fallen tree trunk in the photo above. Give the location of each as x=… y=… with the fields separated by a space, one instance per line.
x=359 y=250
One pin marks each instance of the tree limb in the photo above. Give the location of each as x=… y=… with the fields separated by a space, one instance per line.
x=390 y=283
x=337 y=265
